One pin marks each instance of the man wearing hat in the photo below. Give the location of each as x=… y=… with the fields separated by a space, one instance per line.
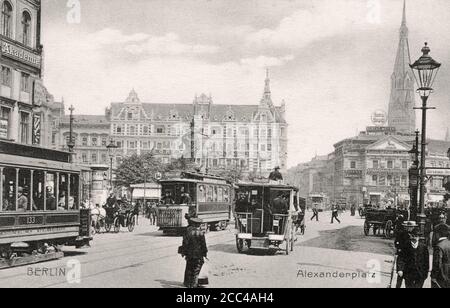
x=436 y=235
x=276 y=175
x=414 y=259
x=194 y=250
x=22 y=201
x=440 y=275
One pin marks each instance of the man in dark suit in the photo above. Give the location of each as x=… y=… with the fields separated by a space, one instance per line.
x=276 y=175
x=440 y=276
x=414 y=262
x=194 y=249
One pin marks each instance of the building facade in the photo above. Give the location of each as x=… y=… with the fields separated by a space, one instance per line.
x=25 y=104
x=251 y=138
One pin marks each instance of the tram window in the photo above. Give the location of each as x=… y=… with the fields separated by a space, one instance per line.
x=209 y=193
x=9 y=189
x=74 y=192
x=201 y=193
x=63 y=198
x=215 y=194
x=226 y=195
x=38 y=190
x=220 y=194
x=50 y=191
x=23 y=193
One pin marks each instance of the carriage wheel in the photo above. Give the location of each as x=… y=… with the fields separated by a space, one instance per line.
x=366 y=228
x=132 y=224
x=239 y=245
x=117 y=225
x=389 y=230
x=108 y=226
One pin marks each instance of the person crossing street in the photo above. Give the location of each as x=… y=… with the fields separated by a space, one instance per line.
x=335 y=214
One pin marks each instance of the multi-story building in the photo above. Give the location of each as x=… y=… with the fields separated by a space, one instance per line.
x=252 y=138
x=25 y=104
x=373 y=166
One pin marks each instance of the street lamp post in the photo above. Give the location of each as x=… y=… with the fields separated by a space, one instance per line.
x=112 y=147
x=425 y=71
x=71 y=141
x=414 y=177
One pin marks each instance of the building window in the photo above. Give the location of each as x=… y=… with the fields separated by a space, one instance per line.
x=6 y=76
x=390 y=164
x=353 y=165
x=25 y=83
x=104 y=158
x=130 y=116
x=4 y=122
x=119 y=130
x=7 y=19
x=160 y=130
x=24 y=127
x=389 y=180
x=94 y=158
x=84 y=141
x=26 y=27
x=84 y=158
x=404 y=164
x=375 y=164
x=104 y=141
x=94 y=142
x=375 y=180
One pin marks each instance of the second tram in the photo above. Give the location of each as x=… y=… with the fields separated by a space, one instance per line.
x=195 y=195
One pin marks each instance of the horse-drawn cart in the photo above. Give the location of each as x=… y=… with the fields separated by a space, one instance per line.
x=382 y=220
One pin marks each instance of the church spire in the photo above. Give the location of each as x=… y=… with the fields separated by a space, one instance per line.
x=401 y=112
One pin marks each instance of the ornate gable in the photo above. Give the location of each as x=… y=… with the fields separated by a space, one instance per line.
x=389 y=143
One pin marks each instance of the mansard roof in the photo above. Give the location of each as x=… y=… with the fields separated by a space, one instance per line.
x=243 y=113
x=86 y=120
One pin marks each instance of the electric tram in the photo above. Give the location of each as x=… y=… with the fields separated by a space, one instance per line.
x=40 y=198
x=203 y=196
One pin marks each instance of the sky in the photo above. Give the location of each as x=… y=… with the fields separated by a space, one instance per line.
x=330 y=60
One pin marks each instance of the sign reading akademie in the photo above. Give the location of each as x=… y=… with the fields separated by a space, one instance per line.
x=18 y=53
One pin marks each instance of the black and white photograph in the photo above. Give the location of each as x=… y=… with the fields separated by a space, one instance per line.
x=225 y=145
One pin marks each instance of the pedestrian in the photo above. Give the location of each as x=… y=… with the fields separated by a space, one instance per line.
x=315 y=210
x=436 y=235
x=402 y=231
x=194 y=249
x=440 y=275
x=335 y=213
x=353 y=210
x=414 y=261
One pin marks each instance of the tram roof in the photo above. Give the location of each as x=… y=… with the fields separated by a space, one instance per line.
x=31 y=151
x=266 y=185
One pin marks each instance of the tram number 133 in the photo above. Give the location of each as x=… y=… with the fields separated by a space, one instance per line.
x=246 y=298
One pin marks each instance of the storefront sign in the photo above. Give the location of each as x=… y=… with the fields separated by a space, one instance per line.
x=380 y=129
x=438 y=172
x=18 y=53
x=4 y=128
x=37 y=129
x=353 y=173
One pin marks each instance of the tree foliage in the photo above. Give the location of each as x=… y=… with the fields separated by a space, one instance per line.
x=136 y=169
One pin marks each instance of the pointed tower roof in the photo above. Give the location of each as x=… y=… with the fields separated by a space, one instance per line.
x=403 y=58
x=133 y=98
x=267 y=96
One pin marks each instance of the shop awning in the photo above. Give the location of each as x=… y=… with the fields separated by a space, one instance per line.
x=151 y=193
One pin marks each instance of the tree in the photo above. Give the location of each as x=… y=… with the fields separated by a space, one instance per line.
x=136 y=169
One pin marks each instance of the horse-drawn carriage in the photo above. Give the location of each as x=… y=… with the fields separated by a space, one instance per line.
x=122 y=215
x=382 y=220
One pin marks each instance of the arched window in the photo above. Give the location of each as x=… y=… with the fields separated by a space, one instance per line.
x=7 y=19
x=26 y=27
